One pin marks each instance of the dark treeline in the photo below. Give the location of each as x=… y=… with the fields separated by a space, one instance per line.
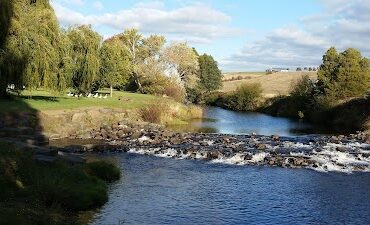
x=37 y=53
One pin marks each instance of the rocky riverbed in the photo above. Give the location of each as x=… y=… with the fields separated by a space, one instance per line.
x=342 y=153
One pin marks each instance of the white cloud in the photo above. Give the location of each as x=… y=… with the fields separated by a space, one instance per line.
x=98 y=5
x=195 y=23
x=343 y=24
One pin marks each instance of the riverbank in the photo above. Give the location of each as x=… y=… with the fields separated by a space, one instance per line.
x=43 y=186
x=342 y=116
x=346 y=116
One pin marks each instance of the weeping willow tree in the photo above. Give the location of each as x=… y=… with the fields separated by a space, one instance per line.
x=115 y=64
x=6 y=12
x=36 y=50
x=85 y=45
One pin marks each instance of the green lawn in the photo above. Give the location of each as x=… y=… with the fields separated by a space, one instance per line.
x=44 y=100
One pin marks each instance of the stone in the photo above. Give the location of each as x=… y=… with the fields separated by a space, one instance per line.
x=334 y=140
x=275 y=137
x=342 y=149
x=136 y=135
x=45 y=158
x=213 y=155
x=248 y=157
x=261 y=146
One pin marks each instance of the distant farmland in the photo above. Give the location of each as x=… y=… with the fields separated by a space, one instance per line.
x=272 y=84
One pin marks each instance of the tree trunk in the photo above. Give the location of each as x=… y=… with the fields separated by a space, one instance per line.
x=111 y=91
x=3 y=85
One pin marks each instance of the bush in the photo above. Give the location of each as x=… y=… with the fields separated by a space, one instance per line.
x=245 y=98
x=36 y=193
x=214 y=99
x=103 y=170
x=194 y=95
x=174 y=91
x=153 y=113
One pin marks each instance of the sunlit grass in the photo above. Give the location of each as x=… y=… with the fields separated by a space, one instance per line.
x=44 y=100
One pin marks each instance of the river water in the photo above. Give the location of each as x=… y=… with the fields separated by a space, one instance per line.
x=218 y=120
x=167 y=191
x=170 y=191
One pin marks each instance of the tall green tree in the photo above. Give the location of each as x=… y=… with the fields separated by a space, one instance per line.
x=34 y=47
x=344 y=75
x=327 y=71
x=85 y=55
x=6 y=13
x=115 y=64
x=210 y=76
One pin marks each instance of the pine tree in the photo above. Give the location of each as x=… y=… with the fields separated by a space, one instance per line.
x=344 y=75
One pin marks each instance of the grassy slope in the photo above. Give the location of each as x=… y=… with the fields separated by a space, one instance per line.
x=38 y=193
x=272 y=84
x=43 y=100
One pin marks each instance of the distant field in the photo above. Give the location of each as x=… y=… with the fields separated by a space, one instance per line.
x=244 y=75
x=272 y=84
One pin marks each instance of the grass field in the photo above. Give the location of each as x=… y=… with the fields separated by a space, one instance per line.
x=272 y=84
x=42 y=100
x=243 y=75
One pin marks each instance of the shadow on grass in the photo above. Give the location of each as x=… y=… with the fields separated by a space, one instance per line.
x=40 y=98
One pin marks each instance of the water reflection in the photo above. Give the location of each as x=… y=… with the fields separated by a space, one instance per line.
x=218 y=120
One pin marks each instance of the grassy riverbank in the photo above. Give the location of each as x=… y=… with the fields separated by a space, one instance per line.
x=44 y=100
x=142 y=107
x=53 y=193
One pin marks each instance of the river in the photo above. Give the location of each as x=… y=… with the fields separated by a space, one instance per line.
x=218 y=120
x=167 y=191
x=172 y=191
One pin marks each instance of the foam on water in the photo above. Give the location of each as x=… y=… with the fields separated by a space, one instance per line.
x=259 y=157
x=237 y=159
x=326 y=158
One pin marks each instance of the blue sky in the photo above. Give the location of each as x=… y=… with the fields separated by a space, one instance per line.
x=243 y=35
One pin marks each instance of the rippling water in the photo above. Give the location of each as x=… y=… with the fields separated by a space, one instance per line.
x=166 y=191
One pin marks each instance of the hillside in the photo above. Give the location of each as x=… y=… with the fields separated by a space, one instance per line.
x=272 y=84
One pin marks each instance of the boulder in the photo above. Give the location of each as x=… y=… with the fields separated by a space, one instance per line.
x=213 y=155
x=261 y=146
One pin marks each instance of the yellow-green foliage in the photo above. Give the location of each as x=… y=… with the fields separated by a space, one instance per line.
x=245 y=98
x=166 y=112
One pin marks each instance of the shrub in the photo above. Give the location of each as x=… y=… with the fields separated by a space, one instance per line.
x=36 y=193
x=174 y=91
x=214 y=98
x=304 y=87
x=153 y=113
x=244 y=98
x=194 y=95
x=103 y=170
